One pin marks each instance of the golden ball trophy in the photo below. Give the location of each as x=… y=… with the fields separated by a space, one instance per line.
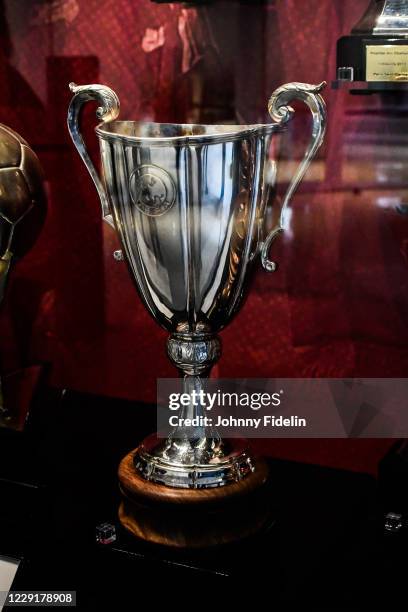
x=22 y=214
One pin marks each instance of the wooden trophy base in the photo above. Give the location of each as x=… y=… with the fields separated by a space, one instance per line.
x=192 y=518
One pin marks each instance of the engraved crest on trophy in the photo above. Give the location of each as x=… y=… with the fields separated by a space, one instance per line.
x=152 y=189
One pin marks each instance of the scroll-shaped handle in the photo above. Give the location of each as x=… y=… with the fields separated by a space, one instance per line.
x=107 y=111
x=281 y=113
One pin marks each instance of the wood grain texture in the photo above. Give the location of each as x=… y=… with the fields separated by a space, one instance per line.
x=193 y=518
x=138 y=488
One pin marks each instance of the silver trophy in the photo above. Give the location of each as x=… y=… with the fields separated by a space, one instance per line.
x=384 y=18
x=188 y=203
x=376 y=50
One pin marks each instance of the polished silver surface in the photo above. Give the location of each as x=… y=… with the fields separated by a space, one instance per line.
x=280 y=110
x=188 y=203
x=191 y=221
x=203 y=463
x=384 y=18
x=194 y=356
x=107 y=111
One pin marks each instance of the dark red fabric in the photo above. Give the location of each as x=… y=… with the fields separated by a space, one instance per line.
x=338 y=304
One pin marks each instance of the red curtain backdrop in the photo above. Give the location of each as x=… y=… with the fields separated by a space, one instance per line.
x=338 y=305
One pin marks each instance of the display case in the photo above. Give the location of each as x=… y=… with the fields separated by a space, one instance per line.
x=337 y=305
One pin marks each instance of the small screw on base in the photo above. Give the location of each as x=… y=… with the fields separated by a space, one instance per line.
x=105 y=533
x=393 y=522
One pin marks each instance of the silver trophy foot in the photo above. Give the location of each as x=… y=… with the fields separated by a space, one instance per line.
x=193 y=464
x=198 y=458
x=193 y=477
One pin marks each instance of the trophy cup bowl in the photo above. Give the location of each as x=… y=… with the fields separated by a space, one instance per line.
x=188 y=203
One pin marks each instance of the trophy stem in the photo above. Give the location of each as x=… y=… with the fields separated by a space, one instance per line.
x=193 y=457
x=200 y=439
x=194 y=356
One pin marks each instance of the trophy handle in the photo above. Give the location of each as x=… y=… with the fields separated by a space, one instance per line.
x=281 y=113
x=107 y=111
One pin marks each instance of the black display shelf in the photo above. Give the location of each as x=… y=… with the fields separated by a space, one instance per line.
x=369 y=87
x=323 y=547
